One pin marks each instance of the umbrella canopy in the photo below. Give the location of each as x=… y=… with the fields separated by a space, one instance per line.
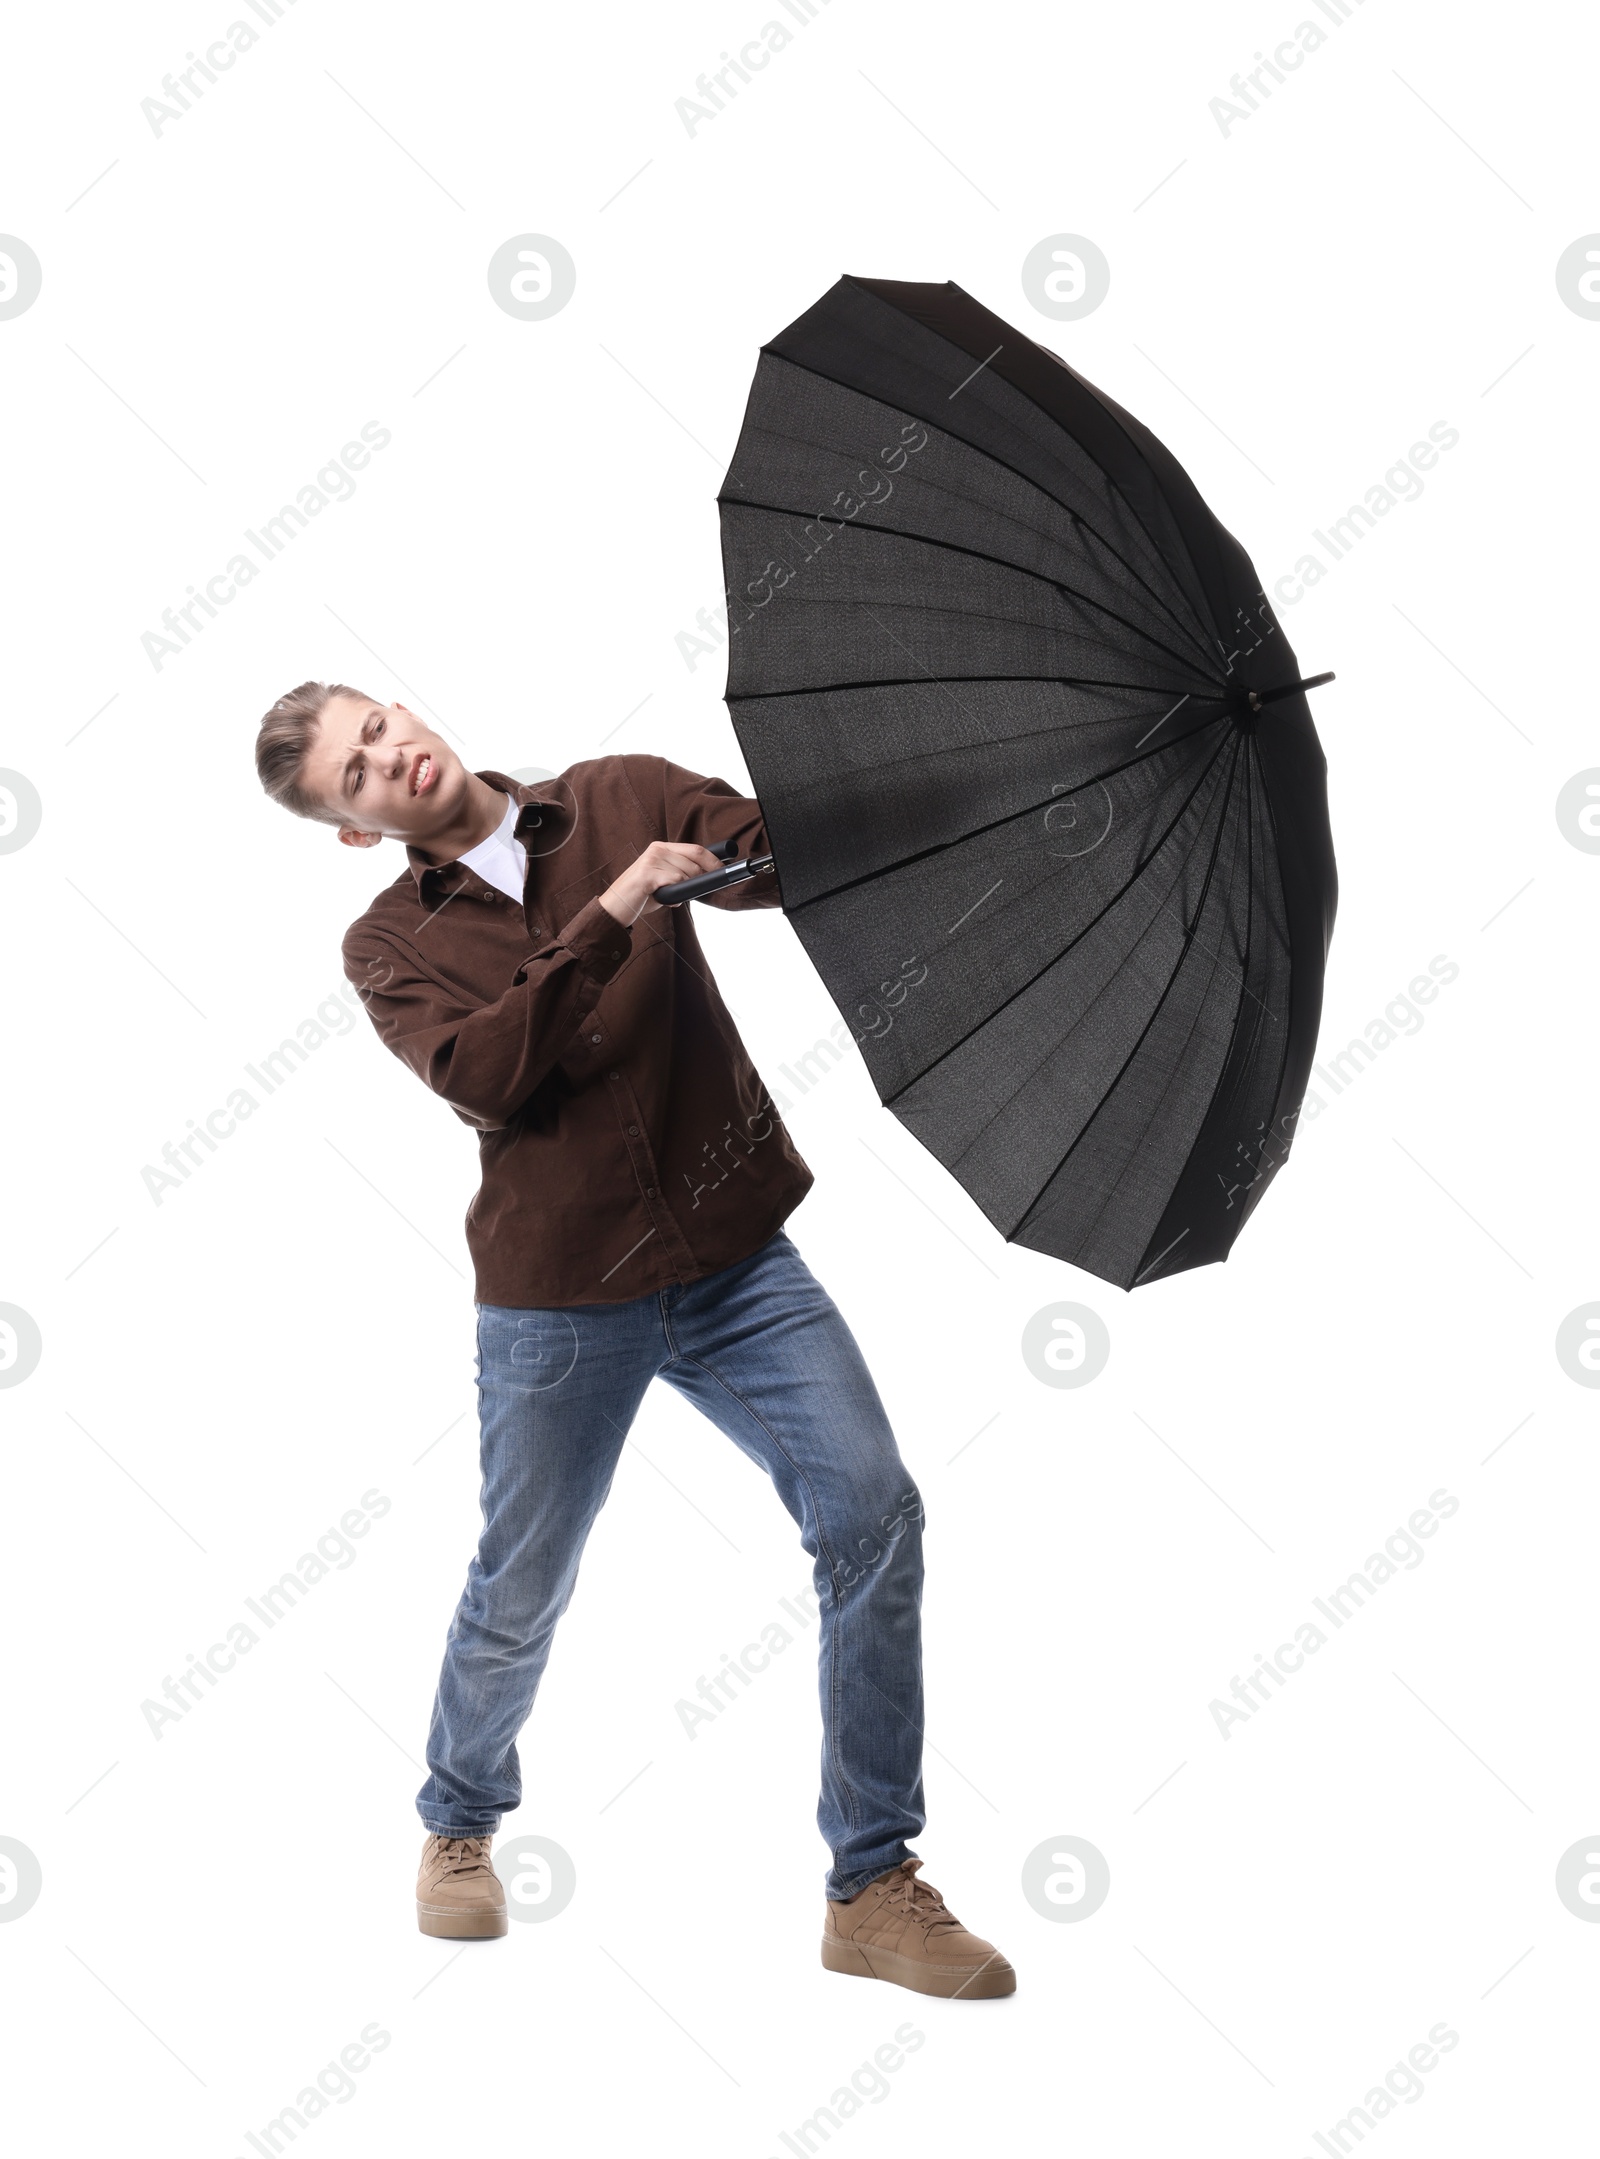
x=1005 y=688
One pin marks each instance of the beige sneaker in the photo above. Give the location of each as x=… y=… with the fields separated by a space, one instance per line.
x=459 y=1894
x=899 y=1929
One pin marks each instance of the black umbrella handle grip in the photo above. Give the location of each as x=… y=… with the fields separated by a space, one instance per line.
x=1258 y=698
x=699 y=888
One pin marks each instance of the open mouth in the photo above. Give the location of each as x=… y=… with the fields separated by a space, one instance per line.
x=422 y=773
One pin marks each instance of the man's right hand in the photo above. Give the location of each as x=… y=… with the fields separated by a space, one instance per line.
x=664 y=862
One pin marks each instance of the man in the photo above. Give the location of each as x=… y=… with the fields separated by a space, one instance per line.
x=629 y=1226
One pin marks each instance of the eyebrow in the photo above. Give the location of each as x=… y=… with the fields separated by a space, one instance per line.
x=354 y=758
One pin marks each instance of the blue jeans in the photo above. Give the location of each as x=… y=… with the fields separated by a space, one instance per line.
x=760 y=1349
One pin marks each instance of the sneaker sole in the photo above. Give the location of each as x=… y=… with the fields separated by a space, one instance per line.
x=985 y=1983
x=453 y=1925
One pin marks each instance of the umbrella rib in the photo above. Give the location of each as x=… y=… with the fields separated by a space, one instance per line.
x=1117 y=498
x=1195 y=637
x=1238 y=1009
x=1266 y=797
x=1106 y=989
x=829 y=786
x=1109 y=407
x=1016 y=471
x=945 y=683
x=1091 y=635
x=1133 y=1052
x=1019 y=569
x=923 y=682
x=1188 y=942
x=886 y=869
x=1139 y=869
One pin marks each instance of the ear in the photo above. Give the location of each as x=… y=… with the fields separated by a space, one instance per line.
x=352 y=838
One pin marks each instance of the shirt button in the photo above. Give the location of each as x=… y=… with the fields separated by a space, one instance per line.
x=596 y=1038
x=649 y=1191
x=613 y=1075
x=634 y=1130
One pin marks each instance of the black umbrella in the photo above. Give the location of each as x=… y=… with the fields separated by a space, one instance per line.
x=1047 y=807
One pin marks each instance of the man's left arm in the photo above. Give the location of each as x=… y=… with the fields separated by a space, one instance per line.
x=709 y=813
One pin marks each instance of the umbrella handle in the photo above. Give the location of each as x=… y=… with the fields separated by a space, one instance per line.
x=699 y=888
x=1257 y=698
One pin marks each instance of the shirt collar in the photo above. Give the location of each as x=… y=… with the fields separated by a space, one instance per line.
x=503 y=835
x=550 y=801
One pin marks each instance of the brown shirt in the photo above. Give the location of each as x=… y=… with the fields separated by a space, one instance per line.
x=626 y=1140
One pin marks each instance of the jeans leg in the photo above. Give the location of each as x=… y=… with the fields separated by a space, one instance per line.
x=557 y=1390
x=762 y=1350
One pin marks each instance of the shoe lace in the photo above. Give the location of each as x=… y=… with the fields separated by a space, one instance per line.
x=919 y=1902
x=464 y=1856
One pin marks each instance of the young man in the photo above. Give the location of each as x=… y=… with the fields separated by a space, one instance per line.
x=636 y=1177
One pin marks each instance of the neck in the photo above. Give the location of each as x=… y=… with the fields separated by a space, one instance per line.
x=482 y=808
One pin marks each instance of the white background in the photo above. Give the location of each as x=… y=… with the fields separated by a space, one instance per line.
x=1292 y=304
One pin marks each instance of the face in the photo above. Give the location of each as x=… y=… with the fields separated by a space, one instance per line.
x=387 y=774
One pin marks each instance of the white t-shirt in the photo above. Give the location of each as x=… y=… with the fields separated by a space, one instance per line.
x=501 y=860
